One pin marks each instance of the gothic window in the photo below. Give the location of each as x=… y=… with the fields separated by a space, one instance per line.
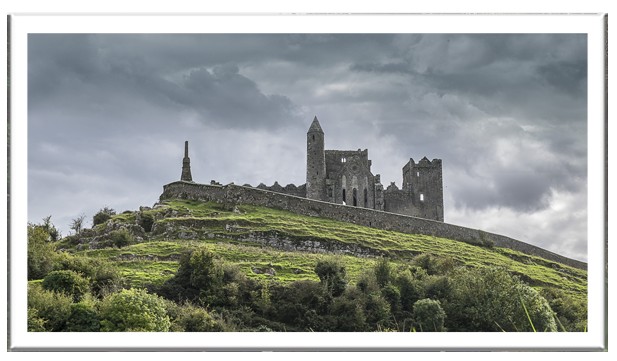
x=344 y=197
x=365 y=198
x=313 y=136
x=417 y=174
x=421 y=197
x=355 y=197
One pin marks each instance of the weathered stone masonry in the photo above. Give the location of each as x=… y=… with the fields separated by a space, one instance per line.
x=234 y=194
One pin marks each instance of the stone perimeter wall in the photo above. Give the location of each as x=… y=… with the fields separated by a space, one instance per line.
x=235 y=194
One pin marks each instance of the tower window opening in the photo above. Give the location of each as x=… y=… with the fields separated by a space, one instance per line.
x=343 y=160
x=421 y=197
x=417 y=174
x=365 y=198
x=313 y=136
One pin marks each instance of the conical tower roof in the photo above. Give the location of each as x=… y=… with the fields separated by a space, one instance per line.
x=315 y=126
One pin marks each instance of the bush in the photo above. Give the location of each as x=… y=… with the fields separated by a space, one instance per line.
x=104 y=276
x=571 y=314
x=490 y=299
x=133 y=310
x=54 y=308
x=393 y=296
x=146 y=221
x=190 y=318
x=428 y=315
x=377 y=312
x=83 y=318
x=102 y=216
x=383 y=272
x=299 y=303
x=41 y=254
x=331 y=273
x=121 y=238
x=35 y=323
x=411 y=289
x=347 y=312
x=67 y=282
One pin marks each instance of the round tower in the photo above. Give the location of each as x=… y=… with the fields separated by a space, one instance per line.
x=315 y=162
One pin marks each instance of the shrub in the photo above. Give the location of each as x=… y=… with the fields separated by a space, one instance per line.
x=428 y=315
x=104 y=276
x=490 y=299
x=377 y=312
x=133 y=310
x=83 y=318
x=190 y=318
x=410 y=289
x=383 y=272
x=102 y=216
x=571 y=314
x=68 y=282
x=35 y=323
x=52 y=307
x=146 y=221
x=393 y=296
x=121 y=238
x=299 y=303
x=347 y=312
x=331 y=273
x=41 y=254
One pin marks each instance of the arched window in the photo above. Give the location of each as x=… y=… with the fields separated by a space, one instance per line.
x=344 y=197
x=365 y=198
x=355 y=197
x=421 y=197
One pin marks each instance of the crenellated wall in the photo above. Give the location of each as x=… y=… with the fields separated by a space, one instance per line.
x=231 y=195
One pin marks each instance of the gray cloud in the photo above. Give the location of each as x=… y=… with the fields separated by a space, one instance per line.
x=108 y=115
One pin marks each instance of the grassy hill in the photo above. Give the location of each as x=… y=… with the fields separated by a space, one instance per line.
x=276 y=247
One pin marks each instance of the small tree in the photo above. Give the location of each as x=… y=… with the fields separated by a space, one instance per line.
x=383 y=272
x=331 y=273
x=133 y=310
x=41 y=254
x=54 y=233
x=429 y=315
x=102 y=216
x=77 y=224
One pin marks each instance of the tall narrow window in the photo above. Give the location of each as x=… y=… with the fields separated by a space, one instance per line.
x=365 y=198
x=344 y=197
x=417 y=174
x=355 y=197
x=421 y=197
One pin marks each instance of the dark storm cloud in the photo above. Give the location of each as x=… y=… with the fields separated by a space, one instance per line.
x=479 y=91
x=506 y=113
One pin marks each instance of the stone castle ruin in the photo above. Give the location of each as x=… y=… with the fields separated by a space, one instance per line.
x=340 y=186
x=345 y=177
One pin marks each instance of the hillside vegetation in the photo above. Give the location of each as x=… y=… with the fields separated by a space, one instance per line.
x=197 y=266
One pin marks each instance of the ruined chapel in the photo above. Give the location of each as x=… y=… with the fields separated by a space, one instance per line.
x=345 y=177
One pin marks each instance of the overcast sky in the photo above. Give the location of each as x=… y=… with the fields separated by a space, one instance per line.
x=507 y=114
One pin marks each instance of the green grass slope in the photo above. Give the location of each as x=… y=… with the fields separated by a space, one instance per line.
x=246 y=235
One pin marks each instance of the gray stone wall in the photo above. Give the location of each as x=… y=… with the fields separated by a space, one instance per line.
x=231 y=195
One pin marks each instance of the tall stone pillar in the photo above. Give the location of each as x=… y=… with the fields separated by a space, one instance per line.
x=186 y=164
